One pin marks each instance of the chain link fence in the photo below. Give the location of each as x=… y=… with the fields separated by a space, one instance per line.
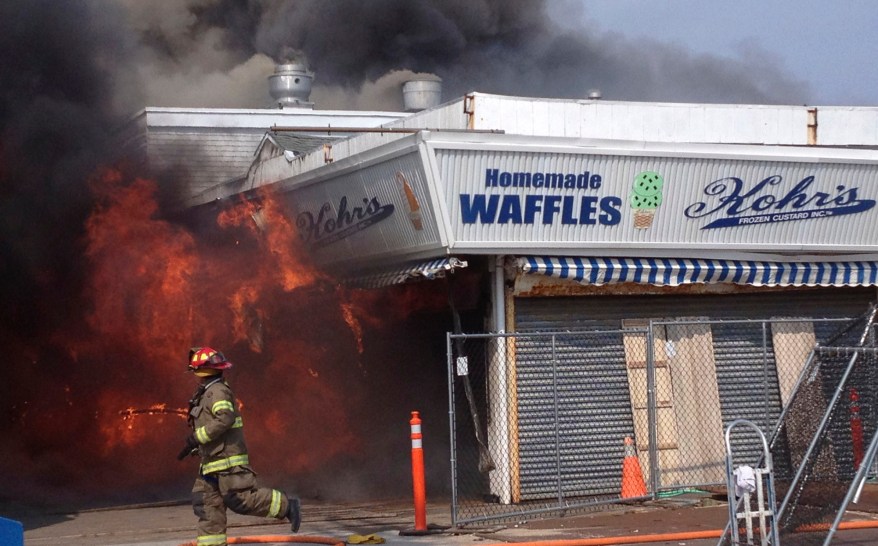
x=824 y=434
x=539 y=421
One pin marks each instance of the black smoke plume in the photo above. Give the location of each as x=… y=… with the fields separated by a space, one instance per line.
x=513 y=47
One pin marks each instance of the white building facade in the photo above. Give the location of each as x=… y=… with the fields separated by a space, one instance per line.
x=593 y=214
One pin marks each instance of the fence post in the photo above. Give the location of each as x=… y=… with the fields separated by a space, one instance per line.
x=856 y=429
x=651 y=410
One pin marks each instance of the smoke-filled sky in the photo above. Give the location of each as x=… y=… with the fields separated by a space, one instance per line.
x=102 y=296
x=219 y=53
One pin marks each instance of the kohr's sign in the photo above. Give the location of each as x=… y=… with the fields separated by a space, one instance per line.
x=331 y=224
x=547 y=198
x=729 y=203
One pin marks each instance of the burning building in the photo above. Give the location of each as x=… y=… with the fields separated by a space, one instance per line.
x=147 y=276
x=578 y=215
x=288 y=236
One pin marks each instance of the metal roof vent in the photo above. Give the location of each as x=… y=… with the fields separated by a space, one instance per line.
x=290 y=85
x=594 y=94
x=421 y=94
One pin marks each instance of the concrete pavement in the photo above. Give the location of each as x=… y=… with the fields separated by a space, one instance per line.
x=172 y=524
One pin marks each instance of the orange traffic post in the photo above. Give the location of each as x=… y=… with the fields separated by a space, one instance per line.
x=632 y=478
x=856 y=429
x=420 y=489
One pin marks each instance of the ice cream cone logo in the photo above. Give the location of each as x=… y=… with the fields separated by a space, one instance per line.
x=645 y=197
x=413 y=205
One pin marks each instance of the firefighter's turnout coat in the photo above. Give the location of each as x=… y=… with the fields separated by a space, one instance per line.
x=225 y=479
x=219 y=428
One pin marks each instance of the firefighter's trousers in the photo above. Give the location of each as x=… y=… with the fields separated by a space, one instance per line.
x=237 y=490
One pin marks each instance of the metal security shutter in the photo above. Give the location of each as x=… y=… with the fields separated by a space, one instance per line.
x=747 y=380
x=589 y=312
x=599 y=411
x=575 y=390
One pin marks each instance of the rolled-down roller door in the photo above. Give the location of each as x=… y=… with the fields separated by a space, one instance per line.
x=590 y=385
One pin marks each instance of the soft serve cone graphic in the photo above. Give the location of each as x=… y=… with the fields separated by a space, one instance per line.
x=645 y=197
x=413 y=205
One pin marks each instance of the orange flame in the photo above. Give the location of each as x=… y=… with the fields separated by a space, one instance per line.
x=348 y=312
x=283 y=259
x=155 y=289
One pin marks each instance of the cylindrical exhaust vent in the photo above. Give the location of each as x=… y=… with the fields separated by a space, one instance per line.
x=421 y=94
x=290 y=85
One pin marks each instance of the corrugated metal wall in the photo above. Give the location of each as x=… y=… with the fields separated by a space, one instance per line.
x=464 y=179
x=676 y=122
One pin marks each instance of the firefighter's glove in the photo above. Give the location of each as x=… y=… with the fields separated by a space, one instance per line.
x=191 y=446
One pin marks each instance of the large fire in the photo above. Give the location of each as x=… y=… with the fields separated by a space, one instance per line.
x=101 y=407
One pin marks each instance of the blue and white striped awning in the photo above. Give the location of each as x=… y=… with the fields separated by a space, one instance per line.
x=676 y=271
x=429 y=270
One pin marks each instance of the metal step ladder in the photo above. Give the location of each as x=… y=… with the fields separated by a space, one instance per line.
x=742 y=511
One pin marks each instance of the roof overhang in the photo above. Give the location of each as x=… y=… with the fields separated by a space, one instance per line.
x=433 y=194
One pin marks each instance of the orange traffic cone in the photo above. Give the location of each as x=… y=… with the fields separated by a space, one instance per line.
x=632 y=479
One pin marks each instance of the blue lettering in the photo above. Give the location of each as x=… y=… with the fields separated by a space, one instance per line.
x=846 y=197
x=587 y=209
x=796 y=197
x=763 y=203
x=567 y=217
x=738 y=206
x=582 y=181
x=551 y=207
x=732 y=203
x=532 y=205
x=521 y=180
x=610 y=210
x=328 y=228
x=510 y=210
x=717 y=187
x=491 y=176
x=478 y=209
x=538 y=180
x=554 y=180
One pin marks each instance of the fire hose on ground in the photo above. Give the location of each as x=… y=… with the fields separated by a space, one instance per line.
x=283 y=539
x=683 y=535
x=601 y=541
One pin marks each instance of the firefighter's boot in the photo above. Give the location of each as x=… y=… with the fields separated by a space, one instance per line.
x=294 y=513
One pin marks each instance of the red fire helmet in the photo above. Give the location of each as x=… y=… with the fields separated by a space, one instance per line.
x=207 y=361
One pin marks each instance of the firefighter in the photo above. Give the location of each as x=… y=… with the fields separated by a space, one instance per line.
x=225 y=478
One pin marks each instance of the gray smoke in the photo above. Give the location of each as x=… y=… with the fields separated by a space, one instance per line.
x=219 y=53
